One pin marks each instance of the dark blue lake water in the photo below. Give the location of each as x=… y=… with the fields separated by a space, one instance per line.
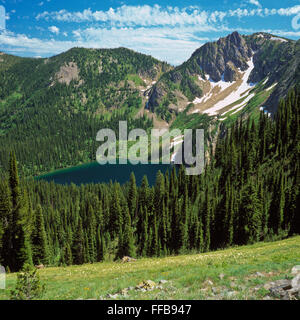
x=96 y=173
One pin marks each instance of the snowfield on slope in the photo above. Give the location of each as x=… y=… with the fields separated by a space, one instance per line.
x=222 y=84
x=241 y=105
x=273 y=86
x=235 y=95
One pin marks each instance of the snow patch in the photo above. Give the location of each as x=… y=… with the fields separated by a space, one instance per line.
x=203 y=99
x=265 y=111
x=241 y=105
x=239 y=109
x=222 y=83
x=235 y=95
x=176 y=150
x=198 y=100
x=278 y=39
x=270 y=88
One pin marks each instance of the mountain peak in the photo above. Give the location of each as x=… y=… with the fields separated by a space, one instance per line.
x=213 y=58
x=235 y=38
x=235 y=60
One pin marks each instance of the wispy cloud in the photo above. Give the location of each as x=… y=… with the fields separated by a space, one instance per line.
x=168 y=44
x=149 y=16
x=54 y=29
x=169 y=34
x=15 y=43
x=256 y=3
x=131 y=16
x=174 y=45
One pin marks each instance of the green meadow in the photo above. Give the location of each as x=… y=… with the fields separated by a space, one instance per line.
x=233 y=274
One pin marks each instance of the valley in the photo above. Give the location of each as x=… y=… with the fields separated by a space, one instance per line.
x=81 y=91
x=224 y=234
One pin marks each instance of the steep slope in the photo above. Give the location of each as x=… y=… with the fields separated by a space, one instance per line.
x=277 y=60
x=99 y=79
x=241 y=273
x=57 y=105
x=6 y=61
x=226 y=76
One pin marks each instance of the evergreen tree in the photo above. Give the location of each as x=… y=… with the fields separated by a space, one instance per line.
x=5 y=221
x=68 y=255
x=17 y=243
x=101 y=249
x=126 y=243
x=132 y=198
x=39 y=239
x=78 y=250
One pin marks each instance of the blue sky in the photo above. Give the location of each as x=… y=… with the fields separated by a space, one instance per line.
x=168 y=30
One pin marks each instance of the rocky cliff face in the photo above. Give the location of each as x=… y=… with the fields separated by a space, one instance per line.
x=275 y=59
x=220 y=60
x=224 y=55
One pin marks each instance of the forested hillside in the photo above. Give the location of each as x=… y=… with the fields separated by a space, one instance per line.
x=248 y=193
x=51 y=109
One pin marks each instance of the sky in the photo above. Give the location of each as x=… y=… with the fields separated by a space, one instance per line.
x=168 y=30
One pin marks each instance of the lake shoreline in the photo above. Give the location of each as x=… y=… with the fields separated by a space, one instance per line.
x=93 y=172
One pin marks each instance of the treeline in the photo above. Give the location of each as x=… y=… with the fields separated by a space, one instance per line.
x=249 y=193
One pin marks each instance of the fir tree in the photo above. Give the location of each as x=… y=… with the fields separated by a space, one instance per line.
x=5 y=222
x=39 y=239
x=126 y=245
x=18 y=249
x=78 y=250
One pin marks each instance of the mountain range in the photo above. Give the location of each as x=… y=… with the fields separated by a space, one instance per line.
x=50 y=113
x=56 y=105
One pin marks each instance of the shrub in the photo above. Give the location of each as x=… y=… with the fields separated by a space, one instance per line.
x=28 y=285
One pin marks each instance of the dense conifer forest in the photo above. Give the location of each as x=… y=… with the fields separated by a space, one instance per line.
x=51 y=109
x=248 y=193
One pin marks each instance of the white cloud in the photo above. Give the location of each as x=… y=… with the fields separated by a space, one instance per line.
x=169 y=44
x=151 y=16
x=255 y=2
x=54 y=29
x=132 y=16
x=169 y=34
x=174 y=45
x=21 y=43
x=289 y=11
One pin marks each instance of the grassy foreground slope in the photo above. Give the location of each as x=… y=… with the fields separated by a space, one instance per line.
x=236 y=273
